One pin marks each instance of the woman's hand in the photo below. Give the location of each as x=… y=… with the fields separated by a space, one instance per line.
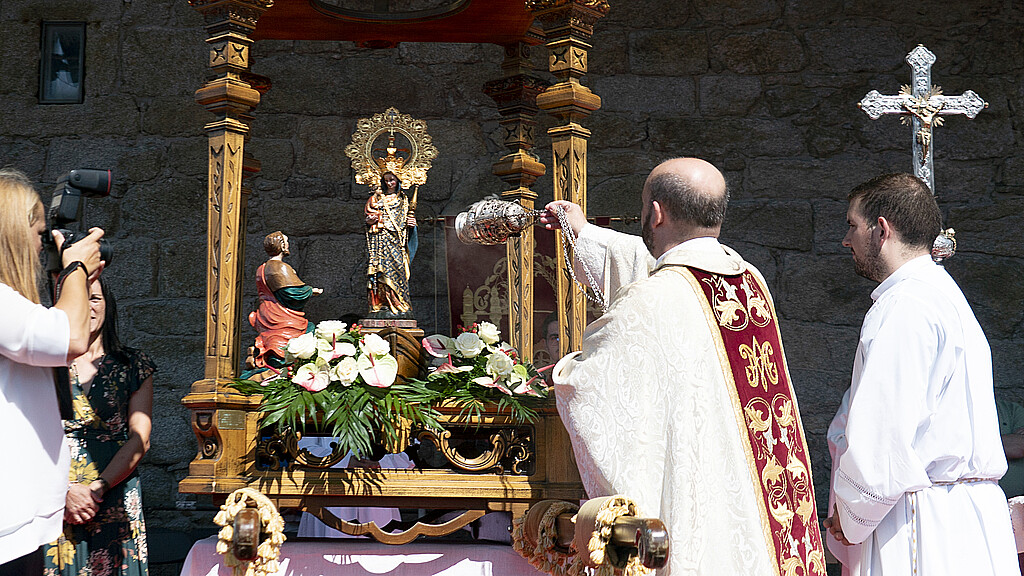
x=86 y=251
x=79 y=505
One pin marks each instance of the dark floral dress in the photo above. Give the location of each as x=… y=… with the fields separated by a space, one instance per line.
x=114 y=542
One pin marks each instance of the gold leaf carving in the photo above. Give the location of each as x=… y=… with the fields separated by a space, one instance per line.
x=805 y=509
x=728 y=311
x=785 y=415
x=792 y=566
x=782 y=514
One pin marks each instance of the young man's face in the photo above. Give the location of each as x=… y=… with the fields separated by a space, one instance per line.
x=864 y=240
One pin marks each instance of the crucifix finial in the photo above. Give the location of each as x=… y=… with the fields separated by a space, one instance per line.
x=923 y=105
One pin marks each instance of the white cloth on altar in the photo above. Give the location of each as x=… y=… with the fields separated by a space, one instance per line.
x=649 y=414
x=365 y=557
x=311 y=527
x=915 y=432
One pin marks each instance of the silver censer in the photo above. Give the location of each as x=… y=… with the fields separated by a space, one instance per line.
x=492 y=221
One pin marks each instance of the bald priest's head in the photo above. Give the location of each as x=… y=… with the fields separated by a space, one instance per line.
x=683 y=198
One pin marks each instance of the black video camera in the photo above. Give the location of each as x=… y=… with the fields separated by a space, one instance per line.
x=66 y=207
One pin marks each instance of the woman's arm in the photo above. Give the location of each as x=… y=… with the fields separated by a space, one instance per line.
x=74 y=294
x=140 y=424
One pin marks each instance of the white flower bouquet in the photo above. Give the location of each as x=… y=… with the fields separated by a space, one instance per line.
x=342 y=382
x=478 y=368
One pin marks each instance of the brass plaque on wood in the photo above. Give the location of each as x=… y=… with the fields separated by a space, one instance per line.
x=231 y=420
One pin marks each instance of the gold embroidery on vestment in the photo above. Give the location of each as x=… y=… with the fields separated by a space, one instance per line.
x=761 y=369
x=788 y=490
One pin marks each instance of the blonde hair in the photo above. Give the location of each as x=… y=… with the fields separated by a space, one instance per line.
x=19 y=260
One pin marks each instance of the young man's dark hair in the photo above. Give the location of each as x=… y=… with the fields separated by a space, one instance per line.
x=906 y=202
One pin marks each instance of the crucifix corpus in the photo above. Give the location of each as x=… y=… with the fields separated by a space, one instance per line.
x=922 y=105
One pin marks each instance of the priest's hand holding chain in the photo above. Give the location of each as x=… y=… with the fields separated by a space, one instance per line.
x=573 y=214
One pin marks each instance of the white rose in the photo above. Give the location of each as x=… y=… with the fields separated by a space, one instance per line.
x=345 y=371
x=331 y=330
x=469 y=345
x=499 y=364
x=303 y=347
x=488 y=332
x=373 y=344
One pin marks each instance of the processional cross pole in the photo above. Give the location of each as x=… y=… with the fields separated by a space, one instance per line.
x=922 y=105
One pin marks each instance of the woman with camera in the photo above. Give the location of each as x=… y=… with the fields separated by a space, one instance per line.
x=33 y=340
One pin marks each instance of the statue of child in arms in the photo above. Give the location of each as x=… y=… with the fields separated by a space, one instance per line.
x=283 y=295
x=391 y=244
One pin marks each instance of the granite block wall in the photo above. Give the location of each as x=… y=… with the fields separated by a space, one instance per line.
x=764 y=89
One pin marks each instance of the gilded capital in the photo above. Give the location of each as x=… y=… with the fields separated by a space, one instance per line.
x=237 y=15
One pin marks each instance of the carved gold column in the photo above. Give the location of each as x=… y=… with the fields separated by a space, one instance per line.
x=568 y=24
x=516 y=97
x=220 y=416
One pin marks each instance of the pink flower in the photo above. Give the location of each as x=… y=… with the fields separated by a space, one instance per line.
x=312 y=378
x=438 y=345
x=525 y=388
x=380 y=371
x=448 y=367
x=489 y=382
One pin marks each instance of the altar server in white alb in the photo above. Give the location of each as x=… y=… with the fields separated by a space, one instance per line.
x=915 y=444
x=680 y=398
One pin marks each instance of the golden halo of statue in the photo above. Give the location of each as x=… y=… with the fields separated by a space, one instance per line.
x=410 y=169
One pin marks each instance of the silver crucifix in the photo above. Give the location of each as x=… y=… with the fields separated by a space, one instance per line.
x=923 y=105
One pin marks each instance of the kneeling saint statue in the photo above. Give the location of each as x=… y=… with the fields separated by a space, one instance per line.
x=283 y=295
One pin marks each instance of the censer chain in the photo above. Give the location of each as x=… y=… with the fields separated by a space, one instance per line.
x=570 y=241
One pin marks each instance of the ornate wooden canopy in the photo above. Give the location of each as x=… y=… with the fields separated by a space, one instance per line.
x=467 y=21
x=226 y=422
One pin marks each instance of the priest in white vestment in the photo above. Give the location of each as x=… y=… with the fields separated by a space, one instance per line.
x=915 y=444
x=647 y=402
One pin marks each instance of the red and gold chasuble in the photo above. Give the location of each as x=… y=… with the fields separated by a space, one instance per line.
x=739 y=310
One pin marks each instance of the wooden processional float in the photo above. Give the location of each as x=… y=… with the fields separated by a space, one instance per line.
x=513 y=466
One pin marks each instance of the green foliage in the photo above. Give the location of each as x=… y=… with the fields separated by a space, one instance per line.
x=359 y=415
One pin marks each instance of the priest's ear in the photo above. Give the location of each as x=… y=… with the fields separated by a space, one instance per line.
x=657 y=214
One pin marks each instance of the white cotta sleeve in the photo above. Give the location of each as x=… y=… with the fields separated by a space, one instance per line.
x=614 y=259
x=836 y=436
x=887 y=404
x=30 y=333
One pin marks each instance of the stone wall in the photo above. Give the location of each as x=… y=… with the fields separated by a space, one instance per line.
x=765 y=89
